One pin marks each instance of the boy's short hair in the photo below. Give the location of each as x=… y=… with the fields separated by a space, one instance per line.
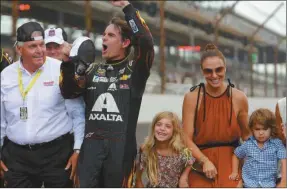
x=264 y=117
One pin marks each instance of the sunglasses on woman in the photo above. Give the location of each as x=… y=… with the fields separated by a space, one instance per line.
x=218 y=70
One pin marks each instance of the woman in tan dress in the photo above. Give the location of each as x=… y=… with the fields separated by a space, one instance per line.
x=215 y=116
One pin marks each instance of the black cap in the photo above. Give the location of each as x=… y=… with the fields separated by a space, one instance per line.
x=27 y=31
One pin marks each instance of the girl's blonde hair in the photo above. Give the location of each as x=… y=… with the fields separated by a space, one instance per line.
x=176 y=143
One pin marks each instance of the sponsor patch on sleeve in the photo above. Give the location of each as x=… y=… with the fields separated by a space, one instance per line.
x=133 y=26
x=124 y=86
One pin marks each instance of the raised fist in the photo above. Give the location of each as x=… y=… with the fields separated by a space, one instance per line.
x=120 y=3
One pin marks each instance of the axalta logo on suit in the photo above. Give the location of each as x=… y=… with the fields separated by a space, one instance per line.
x=106 y=101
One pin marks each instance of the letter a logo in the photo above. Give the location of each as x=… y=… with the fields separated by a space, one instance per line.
x=110 y=104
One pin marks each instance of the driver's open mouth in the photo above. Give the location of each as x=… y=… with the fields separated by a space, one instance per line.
x=105 y=47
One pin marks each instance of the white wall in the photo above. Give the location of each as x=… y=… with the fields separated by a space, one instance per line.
x=153 y=104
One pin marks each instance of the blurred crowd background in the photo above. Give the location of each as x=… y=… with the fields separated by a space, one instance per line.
x=251 y=35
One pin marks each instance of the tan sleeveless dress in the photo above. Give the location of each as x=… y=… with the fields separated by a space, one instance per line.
x=217 y=133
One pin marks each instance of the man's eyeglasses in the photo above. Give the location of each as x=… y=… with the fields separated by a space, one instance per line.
x=218 y=70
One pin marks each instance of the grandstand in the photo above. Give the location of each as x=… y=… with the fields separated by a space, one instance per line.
x=189 y=26
x=238 y=66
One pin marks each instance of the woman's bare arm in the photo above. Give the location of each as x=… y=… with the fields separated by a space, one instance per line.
x=188 y=111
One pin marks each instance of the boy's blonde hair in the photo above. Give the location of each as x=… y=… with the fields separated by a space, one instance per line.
x=176 y=143
x=266 y=118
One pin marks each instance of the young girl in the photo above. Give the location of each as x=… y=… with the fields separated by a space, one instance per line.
x=261 y=152
x=163 y=155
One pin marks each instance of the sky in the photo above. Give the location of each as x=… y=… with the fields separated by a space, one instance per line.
x=258 y=11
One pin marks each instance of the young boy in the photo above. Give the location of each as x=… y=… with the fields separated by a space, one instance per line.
x=261 y=152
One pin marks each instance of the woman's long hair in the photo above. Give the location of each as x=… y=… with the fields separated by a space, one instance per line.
x=149 y=147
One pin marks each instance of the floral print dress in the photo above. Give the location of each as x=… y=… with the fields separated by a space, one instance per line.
x=170 y=169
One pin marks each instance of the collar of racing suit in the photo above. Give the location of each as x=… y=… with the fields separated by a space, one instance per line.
x=116 y=62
